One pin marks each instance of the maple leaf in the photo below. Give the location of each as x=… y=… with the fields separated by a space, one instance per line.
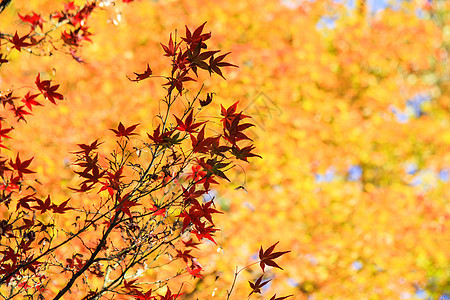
x=280 y=298
x=216 y=63
x=244 y=153
x=3 y=60
x=267 y=257
x=29 y=101
x=87 y=149
x=257 y=285
x=125 y=204
x=209 y=97
x=4 y=132
x=130 y=286
x=190 y=243
x=20 y=113
x=169 y=295
x=23 y=202
x=7 y=98
x=147 y=73
x=193 y=39
x=158 y=211
x=140 y=295
x=43 y=206
x=201 y=232
x=34 y=20
x=171 y=48
x=48 y=91
x=21 y=166
x=184 y=255
x=159 y=138
x=125 y=132
x=195 y=272
x=61 y=208
x=187 y=125
x=19 y=42
x=70 y=6
x=178 y=82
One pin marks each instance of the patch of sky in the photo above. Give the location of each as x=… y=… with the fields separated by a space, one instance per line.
x=328 y=176
x=357 y=265
x=292 y=282
x=421 y=294
x=414 y=108
x=354 y=173
x=411 y=168
x=444 y=175
x=210 y=195
x=425 y=178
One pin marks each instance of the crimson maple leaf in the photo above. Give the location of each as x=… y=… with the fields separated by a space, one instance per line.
x=171 y=48
x=3 y=60
x=87 y=149
x=195 y=272
x=257 y=285
x=147 y=73
x=196 y=37
x=169 y=295
x=178 y=82
x=34 y=20
x=48 y=91
x=43 y=206
x=60 y=209
x=125 y=132
x=209 y=97
x=243 y=153
x=188 y=126
x=19 y=42
x=29 y=100
x=140 y=295
x=267 y=257
x=125 y=204
x=20 y=113
x=4 y=134
x=280 y=298
x=216 y=63
x=21 y=166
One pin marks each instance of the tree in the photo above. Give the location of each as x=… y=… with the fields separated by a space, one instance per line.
x=149 y=205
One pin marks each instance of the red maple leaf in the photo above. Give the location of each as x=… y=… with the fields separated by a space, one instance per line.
x=20 y=113
x=125 y=132
x=209 y=97
x=178 y=81
x=29 y=101
x=125 y=205
x=21 y=166
x=187 y=125
x=171 y=48
x=243 y=153
x=19 y=42
x=169 y=295
x=47 y=90
x=257 y=285
x=267 y=257
x=61 y=208
x=34 y=20
x=196 y=37
x=147 y=73
x=280 y=298
x=216 y=63
x=195 y=272
x=3 y=60
x=43 y=206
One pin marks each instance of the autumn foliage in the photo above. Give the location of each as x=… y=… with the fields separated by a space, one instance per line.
x=145 y=180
